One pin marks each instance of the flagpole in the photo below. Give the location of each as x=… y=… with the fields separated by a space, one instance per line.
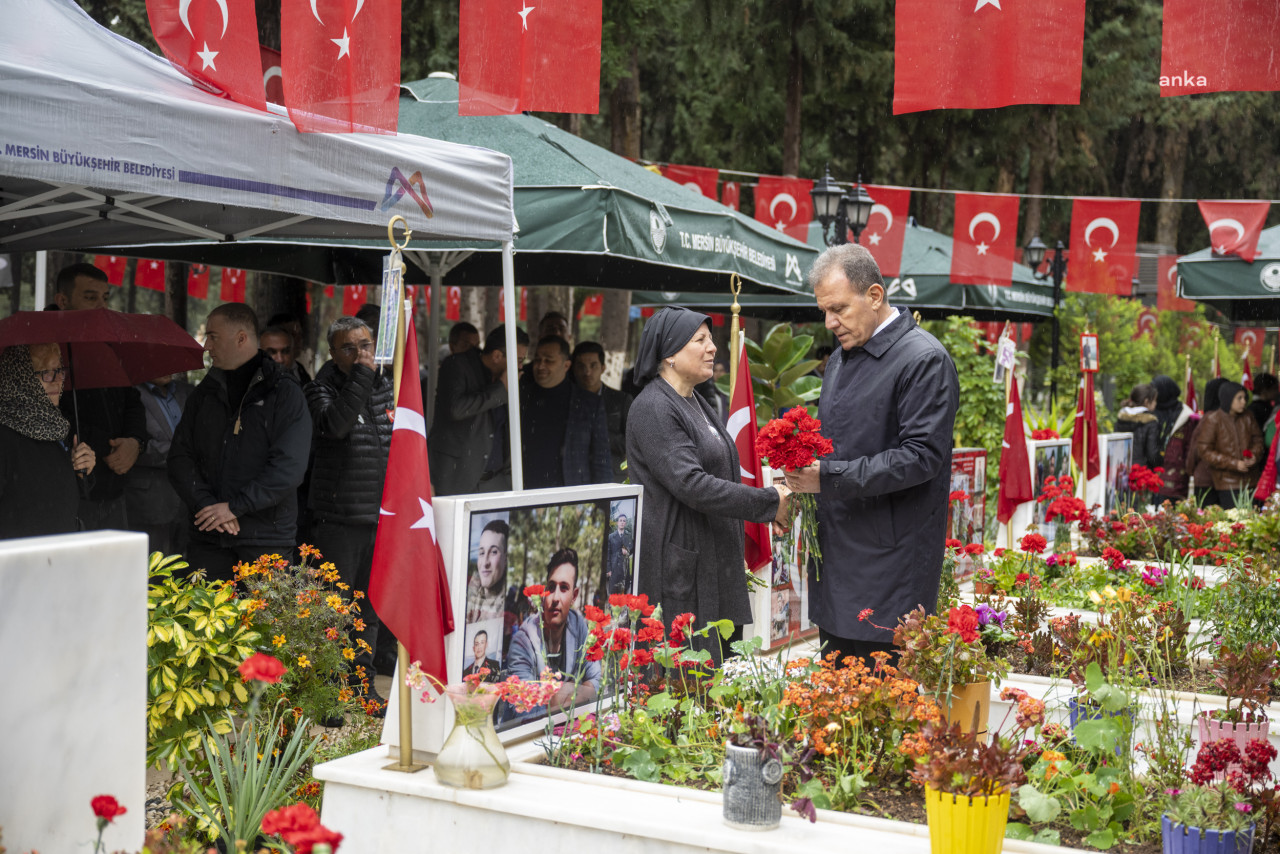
x=735 y=332
x=406 y=763
x=1008 y=394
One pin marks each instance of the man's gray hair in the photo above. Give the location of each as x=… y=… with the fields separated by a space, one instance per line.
x=346 y=324
x=857 y=264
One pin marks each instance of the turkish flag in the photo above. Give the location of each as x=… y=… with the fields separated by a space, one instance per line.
x=328 y=292
x=408 y=587
x=1246 y=376
x=1189 y=396
x=1234 y=227
x=978 y=54
x=700 y=179
x=985 y=240
x=215 y=41
x=1167 y=298
x=232 y=287
x=516 y=55
x=591 y=306
x=198 y=281
x=113 y=266
x=785 y=204
x=731 y=195
x=1104 y=246
x=1086 y=427
x=1251 y=339
x=149 y=274
x=886 y=227
x=1219 y=47
x=354 y=296
x=1147 y=322
x=523 y=298
x=1015 y=466
x=742 y=427
x=453 y=303
x=341 y=65
x=272 y=74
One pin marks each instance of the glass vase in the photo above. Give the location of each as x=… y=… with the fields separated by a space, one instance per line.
x=472 y=756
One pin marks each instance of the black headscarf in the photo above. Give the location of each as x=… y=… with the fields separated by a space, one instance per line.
x=665 y=334
x=24 y=406
x=1211 y=401
x=1227 y=394
x=1168 y=406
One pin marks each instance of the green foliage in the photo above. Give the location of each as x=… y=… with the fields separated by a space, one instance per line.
x=1247 y=603
x=781 y=374
x=197 y=635
x=980 y=420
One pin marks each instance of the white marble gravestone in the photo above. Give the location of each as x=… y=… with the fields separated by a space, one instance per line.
x=73 y=693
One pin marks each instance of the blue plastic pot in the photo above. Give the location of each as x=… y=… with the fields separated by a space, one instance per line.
x=1184 y=839
x=1084 y=712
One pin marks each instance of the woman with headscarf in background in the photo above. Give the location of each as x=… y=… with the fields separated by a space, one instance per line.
x=1231 y=443
x=1177 y=428
x=1200 y=470
x=692 y=537
x=39 y=487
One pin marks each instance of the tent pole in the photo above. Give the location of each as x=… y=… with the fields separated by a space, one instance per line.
x=42 y=272
x=433 y=338
x=513 y=366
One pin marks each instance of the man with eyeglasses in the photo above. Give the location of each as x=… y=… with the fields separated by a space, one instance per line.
x=351 y=404
x=111 y=421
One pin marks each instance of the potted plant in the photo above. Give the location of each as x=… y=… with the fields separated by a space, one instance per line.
x=1207 y=819
x=1245 y=677
x=947 y=657
x=754 y=764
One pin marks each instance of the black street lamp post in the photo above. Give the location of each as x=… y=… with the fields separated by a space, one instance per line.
x=1033 y=254
x=846 y=212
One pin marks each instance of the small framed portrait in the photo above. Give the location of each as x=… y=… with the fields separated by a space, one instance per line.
x=1089 y=353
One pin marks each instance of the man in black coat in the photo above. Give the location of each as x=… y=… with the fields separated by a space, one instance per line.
x=563 y=428
x=109 y=420
x=351 y=404
x=240 y=450
x=470 y=395
x=588 y=372
x=889 y=400
x=619 y=564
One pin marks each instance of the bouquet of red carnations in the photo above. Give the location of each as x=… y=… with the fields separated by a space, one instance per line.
x=792 y=442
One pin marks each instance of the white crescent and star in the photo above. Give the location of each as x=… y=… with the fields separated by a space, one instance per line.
x=273 y=71
x=978 y=219
x=184 y=8
x=524 y=14
x=344 y=44
x=737 y=420
x=316 y=12
x=773 y=205
x=982 y=3
x=1234 y=224
x=428 y=519
x=1109 y=224
x=884 y=211
x=1172 y=271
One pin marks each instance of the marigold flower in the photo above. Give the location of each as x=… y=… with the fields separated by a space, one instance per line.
x=349 y=654
x=304 y=662
x=279 y=640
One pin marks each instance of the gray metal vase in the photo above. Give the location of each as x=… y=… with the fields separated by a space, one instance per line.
x=751 y=784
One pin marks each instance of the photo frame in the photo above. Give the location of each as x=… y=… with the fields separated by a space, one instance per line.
x=1049 y=458
x=780 y=608
x=1117 y=459
x=966 y=520
x=1089 y=360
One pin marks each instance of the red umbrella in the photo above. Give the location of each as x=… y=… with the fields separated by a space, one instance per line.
x=104 y=348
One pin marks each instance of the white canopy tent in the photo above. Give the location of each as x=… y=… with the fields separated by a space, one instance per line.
x=103 y=143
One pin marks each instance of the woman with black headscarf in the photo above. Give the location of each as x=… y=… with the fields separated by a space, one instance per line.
x=1201 y=471
x=39 y=492
x=1177 y=424
x=1231 y=443
x=691 y=538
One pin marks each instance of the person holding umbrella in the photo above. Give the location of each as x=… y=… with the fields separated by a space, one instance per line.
x=39 y=459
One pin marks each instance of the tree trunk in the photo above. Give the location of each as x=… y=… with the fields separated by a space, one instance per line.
x=795 y=92
x=624 y=111
x=175 y=293
x=624 y=114
x=1036 y=168
x=1173 y=157
x=473 y=306
x=615 y=325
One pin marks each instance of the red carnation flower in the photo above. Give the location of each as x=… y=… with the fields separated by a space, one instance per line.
x=1033 y=544
x=535 y=590
x=261 y=667
x=107 y=808
x=974 y=549
x=963 y=621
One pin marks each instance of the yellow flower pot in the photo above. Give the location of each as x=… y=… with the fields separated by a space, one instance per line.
x=963 y=825
x=964 y=700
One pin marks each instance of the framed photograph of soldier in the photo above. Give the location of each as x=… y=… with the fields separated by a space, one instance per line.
x=1089 y=353
x=780 y=607
x=1049 y=458
x=579 y=543
x=967 y=517
x=1117 y=458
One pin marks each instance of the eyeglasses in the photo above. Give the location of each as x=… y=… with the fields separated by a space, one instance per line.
x=50 y=375
x=353 y=349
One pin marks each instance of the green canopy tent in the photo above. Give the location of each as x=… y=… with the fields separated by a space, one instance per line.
x=924 y=285
x=1238 y=289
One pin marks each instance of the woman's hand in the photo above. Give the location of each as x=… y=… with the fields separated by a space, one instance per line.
x=83 y=459
x=1242 y=465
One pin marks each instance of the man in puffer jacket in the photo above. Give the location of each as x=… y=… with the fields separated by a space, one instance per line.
x=351 y=405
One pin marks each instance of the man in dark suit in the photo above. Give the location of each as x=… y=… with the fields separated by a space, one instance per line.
x=480 y=659
x=620 y=548
x=563 y=428
x=588 y=372
x=471 y=395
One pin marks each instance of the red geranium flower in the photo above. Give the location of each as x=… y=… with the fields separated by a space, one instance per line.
x=305 y=840
x=1021 y=578
x=679 y=629
x=963 y=621
x=107 y=807
x=974 y=549
x=261 y=667
x=289 y=819
x=1033 y=544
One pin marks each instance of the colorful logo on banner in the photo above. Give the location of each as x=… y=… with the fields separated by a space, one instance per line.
x=398 y=186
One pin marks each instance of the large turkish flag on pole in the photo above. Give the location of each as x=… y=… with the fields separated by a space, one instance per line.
x=785 y=204
x=1104 y=246
x=341 y=65
x=215 y=41
x=977 y=54
x=1167 y=298
x=887 y=227
x=516 y=55
x=1015 y=466
x=1234 y=227
x=1219 y=47
x=1086 y=429
x=985 y=239
x=1251 y=338
x=742 y=427
x=408 y=587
